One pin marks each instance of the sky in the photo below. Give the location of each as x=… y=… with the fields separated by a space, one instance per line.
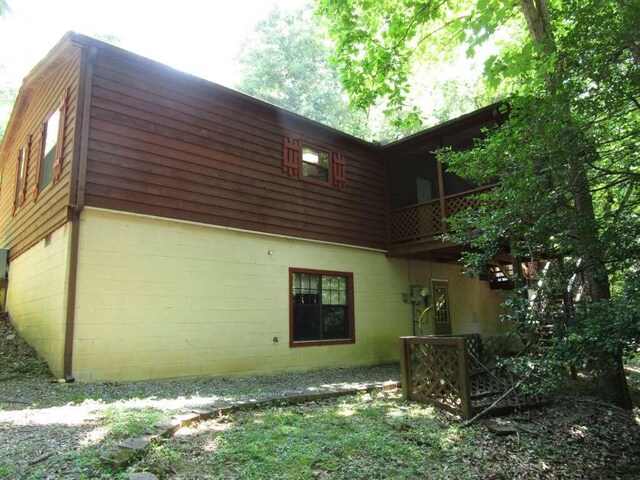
x=201 y=37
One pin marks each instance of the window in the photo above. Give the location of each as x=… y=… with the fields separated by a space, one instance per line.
x=321 y=307
x=21 y=178
x=315 y=164
x=441 y=306
x=49 y=150
x=319 y=165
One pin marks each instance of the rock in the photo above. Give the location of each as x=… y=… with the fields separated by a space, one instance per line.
x=118 y=458
x=11 y=336
x=187 y=418
x=169 y=427
x=138 y=445
x=142 y=476
x=203 y=413
x=527 y=427
x=501 y=428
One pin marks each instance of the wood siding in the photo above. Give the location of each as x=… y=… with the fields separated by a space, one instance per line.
x=167 y=144
x=414 y=157
x=39 y=216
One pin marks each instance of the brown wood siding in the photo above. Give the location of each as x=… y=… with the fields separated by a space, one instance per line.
x=168 y=144
x=35 y=219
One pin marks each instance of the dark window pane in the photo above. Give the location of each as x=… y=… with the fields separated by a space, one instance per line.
x=306 y=323
x=315 y=164
x=320 y=307
x=335 y=322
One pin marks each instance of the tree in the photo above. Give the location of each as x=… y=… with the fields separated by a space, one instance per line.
x=7 y=98
x=4 y=7
x=567 y=156
x=286 y=63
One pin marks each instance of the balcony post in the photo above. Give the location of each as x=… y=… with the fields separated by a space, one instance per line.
x=443 y=212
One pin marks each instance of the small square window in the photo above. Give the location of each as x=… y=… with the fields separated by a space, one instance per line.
x=315 y=164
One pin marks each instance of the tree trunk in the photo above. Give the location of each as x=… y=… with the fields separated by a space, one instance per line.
x=612 y=384
x=611 y=378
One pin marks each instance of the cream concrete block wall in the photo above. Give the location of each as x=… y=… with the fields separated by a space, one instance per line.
x=37 y=295
x=160 y=298
x=474 y=307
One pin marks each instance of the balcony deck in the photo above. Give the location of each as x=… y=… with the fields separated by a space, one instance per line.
x=414 y=229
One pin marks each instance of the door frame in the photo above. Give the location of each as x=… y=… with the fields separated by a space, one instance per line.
x=445 y=327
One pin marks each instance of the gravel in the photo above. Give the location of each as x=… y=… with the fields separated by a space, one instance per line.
x=42 y=422
x=184 y=393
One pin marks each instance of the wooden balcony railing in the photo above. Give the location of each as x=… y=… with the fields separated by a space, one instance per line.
x=424 y=220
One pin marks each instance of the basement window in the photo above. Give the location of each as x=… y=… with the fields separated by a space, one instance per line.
x=321 y=307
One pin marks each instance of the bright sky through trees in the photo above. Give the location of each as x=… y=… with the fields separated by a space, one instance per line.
x=198 y=36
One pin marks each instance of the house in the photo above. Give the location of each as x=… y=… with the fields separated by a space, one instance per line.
x=159 y=225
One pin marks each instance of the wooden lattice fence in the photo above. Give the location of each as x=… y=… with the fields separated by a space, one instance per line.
x=435 y=370
x=454 y=372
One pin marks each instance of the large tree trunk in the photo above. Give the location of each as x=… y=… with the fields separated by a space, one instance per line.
x=611 y=377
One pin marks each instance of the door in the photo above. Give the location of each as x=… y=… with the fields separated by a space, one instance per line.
x=441 y=306
x=424 y=190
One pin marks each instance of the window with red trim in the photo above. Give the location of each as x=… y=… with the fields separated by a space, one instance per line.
x=314 y=164
x=321 y=307
x=49 y=145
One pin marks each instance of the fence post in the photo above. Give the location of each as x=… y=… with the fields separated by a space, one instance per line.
x=405 y=368
x=463 y=378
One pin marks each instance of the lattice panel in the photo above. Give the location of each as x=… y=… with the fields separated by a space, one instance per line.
x=494 y=346
x=474 y=347
x=486 y=384
x=416 y=222
x=404 y=225
x=434 y=374
x=458 y=203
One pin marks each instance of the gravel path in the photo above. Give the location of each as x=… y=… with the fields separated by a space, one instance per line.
x=174 y=394
x=43 y=422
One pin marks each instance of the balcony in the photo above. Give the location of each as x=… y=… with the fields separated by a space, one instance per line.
x=414 y=228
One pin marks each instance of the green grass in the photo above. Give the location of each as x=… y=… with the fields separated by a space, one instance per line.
x=355 y=438
x=382 y=436
x=130 y=422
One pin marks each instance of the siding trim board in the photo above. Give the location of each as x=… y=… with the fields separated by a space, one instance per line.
x=241 y=230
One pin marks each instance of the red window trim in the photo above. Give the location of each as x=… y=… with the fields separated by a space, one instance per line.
x=59 y=146
x=292 y=163
x=18 y=199
x=58 y=164
x=351 y=309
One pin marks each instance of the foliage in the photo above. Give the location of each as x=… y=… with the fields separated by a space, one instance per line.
x=17 y=358
x=130 y=422
x=286 y=63
x=4 y=8
x=380 y=435
x=592 y=117
x=567 y=157
x=380 y=44
x=7 y=98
